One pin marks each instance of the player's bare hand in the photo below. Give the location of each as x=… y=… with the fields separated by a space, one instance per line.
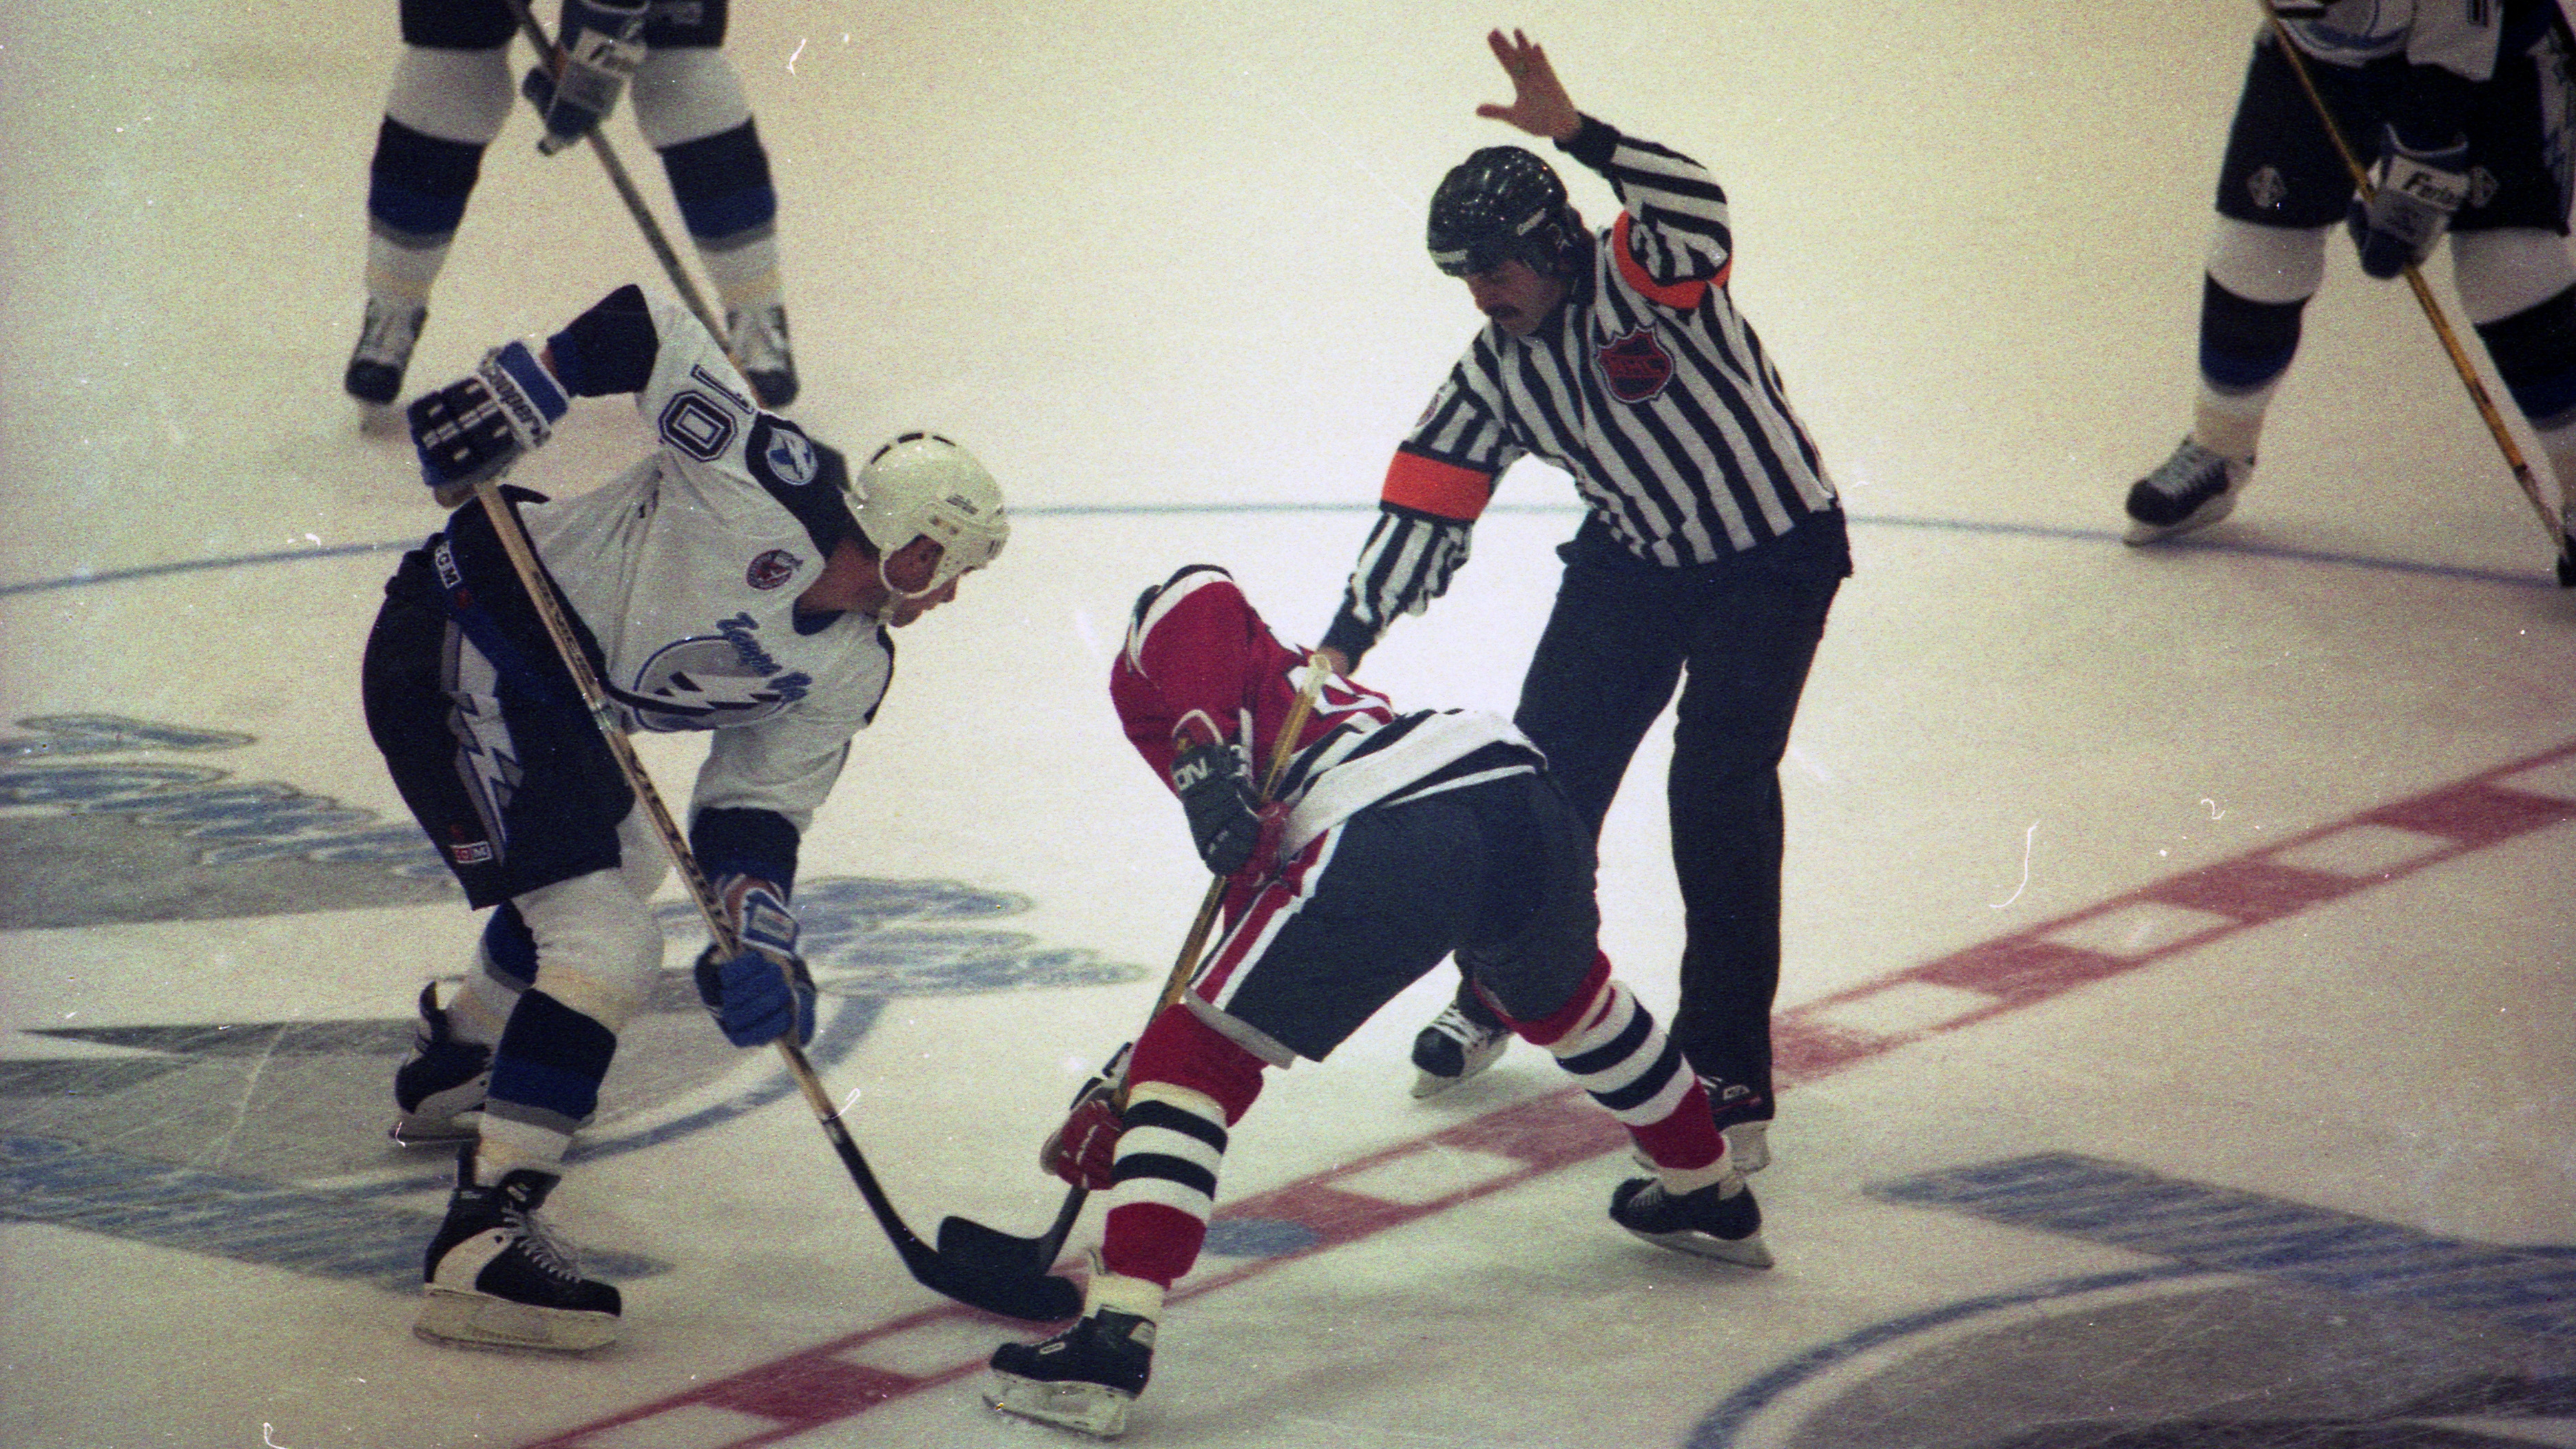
x=1539 y=105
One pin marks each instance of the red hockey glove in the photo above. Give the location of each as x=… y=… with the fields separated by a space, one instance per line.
x=1085 y=1148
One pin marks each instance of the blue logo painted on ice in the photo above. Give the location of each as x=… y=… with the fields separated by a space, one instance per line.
x=2270 y=1324
x=118 y=820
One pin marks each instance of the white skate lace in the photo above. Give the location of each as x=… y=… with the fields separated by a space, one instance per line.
x=1453 y=1024
x=2178 y=474
x=759 y=338
x=538 y=1242
x=388 y=333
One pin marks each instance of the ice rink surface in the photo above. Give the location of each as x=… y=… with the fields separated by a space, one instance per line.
x=2178 y=994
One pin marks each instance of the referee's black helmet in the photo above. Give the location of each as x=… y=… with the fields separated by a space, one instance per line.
x=1499 y=203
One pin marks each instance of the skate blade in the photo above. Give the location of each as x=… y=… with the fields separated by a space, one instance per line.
x=1425 y=1084
x=1748 y=1251
x=1094 y=1409
x=435 y=1131
x=2208 y=513
x=474 y=1320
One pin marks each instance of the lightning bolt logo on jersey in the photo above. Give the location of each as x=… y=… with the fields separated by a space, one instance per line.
x=688 y=567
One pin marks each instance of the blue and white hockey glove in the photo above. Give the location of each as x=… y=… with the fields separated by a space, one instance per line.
x=476 y=427
x=600 y=45
x=766 y=992
x=2413 y=194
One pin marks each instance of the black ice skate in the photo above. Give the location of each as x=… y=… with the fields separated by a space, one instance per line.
x=1453 y=1048
x=757 y=339
x=385 y=340
x=1082 y=1379
x=439 y=1088
x=1719 y=1221
x=497 y=1279
x=2190 y=490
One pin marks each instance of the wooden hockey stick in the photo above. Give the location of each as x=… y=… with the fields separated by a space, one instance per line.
x=1037 y=1298
x=1006 y=1255
x=626 y=192
x=2549 y=521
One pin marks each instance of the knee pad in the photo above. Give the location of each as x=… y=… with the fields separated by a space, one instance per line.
x=643 y=861
x=685 y=94
x=598 y=946
x=2509 y=270
x=2269 y=264
x=454 y=95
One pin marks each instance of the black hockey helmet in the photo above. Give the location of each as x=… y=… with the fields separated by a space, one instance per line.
x=1499 y=203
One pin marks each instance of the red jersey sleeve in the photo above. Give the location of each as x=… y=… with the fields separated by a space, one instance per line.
x=1198 y=659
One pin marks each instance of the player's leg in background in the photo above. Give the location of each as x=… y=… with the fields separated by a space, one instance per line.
x=690 y=106
x=450 y=94
x=1606 y=664
x=2281 y=186
x=1535 y=953
x=2509 y=251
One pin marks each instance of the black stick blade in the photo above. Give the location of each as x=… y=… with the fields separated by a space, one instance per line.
x=1038 y=1297
x=973 y=1246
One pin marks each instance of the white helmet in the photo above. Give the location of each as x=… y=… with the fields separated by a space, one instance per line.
x=921 y=485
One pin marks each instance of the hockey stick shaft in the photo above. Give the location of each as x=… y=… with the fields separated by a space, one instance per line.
x=2550 y=523
x=636 y=206
x=964 y=1239
x=1044 y=1300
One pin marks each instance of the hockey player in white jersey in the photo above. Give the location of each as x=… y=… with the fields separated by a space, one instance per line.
x=2462 y=110
x=728 y=582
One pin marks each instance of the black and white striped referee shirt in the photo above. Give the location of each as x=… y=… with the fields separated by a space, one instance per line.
x=1646 y=385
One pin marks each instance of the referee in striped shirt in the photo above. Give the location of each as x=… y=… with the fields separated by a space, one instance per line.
x=1712 y=547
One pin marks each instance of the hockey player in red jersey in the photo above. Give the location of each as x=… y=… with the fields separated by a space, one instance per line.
x=1392 y=840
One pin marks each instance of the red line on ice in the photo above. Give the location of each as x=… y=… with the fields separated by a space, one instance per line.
x=2172 y=916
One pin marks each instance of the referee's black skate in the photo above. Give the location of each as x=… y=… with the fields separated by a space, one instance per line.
x=439 y=1088
x=496 y=1278
x=1082 y=1379
x=1719 y=1221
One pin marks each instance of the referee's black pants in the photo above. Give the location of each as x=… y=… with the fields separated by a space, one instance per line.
x=1737 y=637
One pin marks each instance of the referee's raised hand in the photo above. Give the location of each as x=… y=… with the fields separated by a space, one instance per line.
x=1539 y=105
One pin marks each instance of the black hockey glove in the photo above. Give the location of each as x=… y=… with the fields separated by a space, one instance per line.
x=476 y=427
x=1224 y=810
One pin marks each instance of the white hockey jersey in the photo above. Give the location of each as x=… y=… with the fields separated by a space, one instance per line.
x=2460 y=36
x=687 y=567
